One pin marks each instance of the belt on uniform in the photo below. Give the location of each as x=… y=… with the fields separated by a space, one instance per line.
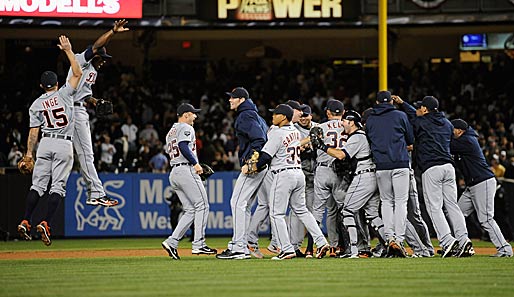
x=323 y=164
x=180 y=164
x=282 y=169
x=365 y=171
x=84 y=104
x=58 y=136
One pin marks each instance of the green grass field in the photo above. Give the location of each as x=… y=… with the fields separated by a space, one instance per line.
x=206 y=276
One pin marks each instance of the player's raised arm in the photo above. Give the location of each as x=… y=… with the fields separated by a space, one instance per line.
x=119 y=26
x=65 y=46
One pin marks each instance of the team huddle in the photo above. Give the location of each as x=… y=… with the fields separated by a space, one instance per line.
x=358 y=169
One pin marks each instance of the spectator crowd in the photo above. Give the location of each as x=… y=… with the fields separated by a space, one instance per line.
x=132 y=139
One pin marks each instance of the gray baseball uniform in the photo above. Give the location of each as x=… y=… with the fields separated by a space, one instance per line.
x=288 y=186
x=82 y=131
x=53 y=112
x=363 y=191
x=326 y=182
x=261 y=213
x=416 y=232
x=296 y=228
x=480 y=184
x=188 y=185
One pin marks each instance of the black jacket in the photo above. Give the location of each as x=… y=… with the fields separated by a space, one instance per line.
x=250 y=130
x=470 y=159
x=433 y=134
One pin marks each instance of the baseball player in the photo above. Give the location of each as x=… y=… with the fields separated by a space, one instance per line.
x=250 y=129
x=282 y=152
x=433 y=135
x=308 y=157
x=52 y=113
x=327 y=185
x=363 y=190
x=416 y=232
x=390 y=133
x=262 y=211
x=91 y=60
x=186 y=183
x=480 y=183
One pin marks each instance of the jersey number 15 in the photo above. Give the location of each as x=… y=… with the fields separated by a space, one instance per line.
x=59 y=118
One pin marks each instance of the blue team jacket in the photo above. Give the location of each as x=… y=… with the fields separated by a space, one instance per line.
x=250 y=130
x=389 y=133
x=433 y=134
x=470 y=159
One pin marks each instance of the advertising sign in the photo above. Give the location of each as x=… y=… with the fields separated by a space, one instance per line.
x=72 y=8
x=144 y=208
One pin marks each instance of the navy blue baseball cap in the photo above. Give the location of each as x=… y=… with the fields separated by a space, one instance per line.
x=384 y=96
x=239 y=92
x=186 y=107
x=48 y=79
x=460 y=124
x=102 y=52
x=283 y=109
x=430 y=102
x=306 y=110
x=294 y=104
x=335 y=106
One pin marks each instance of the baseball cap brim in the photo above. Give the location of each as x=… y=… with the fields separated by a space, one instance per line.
x=417 y=104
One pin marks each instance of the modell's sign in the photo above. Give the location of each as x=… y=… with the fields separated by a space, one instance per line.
x=72 y=8
x=265 y=10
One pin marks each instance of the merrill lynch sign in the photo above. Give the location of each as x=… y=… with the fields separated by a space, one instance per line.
x=265 y=10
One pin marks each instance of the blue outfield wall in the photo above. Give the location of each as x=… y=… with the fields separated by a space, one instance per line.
x=143 y=208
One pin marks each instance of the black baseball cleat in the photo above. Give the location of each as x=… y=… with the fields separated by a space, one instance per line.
x=451 y=249
x=172 y=252
x=229 y=255
x=299 y=253
x=204 y=251
x=464 y=250
x=284 y=256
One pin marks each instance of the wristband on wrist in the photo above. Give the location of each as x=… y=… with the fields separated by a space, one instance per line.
x=113 y=32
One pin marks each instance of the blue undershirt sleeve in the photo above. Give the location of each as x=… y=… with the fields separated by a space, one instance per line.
x=186 y=152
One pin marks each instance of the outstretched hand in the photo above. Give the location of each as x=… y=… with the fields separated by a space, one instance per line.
x=65 y=44
x=119 y=26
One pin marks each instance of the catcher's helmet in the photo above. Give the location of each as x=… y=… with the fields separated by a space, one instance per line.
x=352 y=115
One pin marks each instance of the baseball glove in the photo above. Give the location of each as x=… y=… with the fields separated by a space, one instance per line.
x=26 y=165
x=316 y=135
x=207 y=171
x=252 y=163
x=343 y=169
x=104 y=108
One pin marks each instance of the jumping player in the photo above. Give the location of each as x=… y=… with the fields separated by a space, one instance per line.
x=91 y=60
x=52 y=113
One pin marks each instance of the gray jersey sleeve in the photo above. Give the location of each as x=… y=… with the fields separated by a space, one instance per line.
x=35 y=116
x=272 y=146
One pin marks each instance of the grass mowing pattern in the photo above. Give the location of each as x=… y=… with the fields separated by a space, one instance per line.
x=206 y=276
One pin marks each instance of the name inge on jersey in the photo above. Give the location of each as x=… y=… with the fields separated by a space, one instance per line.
x=61 y=6
x=51 y=102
